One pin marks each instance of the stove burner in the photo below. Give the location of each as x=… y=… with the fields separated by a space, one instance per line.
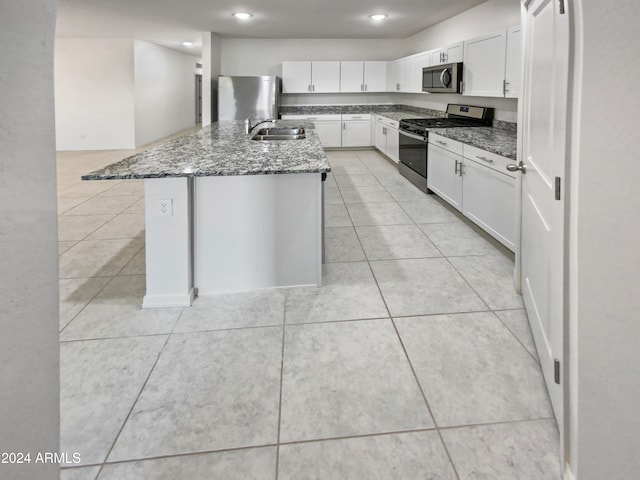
x=421 y=126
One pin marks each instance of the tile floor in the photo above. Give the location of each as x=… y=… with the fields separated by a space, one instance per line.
x=413 y=360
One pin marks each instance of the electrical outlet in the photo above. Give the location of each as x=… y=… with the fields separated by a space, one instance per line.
x=164 y=207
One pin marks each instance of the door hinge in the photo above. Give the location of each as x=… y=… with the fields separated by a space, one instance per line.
x=556 y=371
x=557 y=187
x=561 y=2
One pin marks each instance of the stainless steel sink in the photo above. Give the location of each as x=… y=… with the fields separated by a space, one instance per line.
x=278 y=133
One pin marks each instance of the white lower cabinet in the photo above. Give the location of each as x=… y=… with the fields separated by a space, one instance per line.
x=356 y=130
x=386 y=137
x=475 y=182
x=328 y=127
x=490 y=201
x=443 y=174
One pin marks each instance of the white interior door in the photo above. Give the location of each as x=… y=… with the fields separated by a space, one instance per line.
x=544 y=109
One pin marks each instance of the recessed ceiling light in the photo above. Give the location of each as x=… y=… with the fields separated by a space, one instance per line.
x=187 y=44
x=378 y=16
x=242 y=15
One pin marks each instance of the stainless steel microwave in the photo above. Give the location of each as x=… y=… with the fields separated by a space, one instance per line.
x=445 y=78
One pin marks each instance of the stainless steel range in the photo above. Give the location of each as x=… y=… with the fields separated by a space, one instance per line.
x=414 y=136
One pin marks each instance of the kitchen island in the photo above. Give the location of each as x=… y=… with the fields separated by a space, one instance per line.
x=226 y=213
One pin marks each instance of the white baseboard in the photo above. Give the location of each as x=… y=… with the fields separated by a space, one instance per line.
x=167 y=301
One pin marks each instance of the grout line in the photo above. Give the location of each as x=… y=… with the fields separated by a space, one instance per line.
x=284 y=331
x=406 y=354
x=133 y=405
x=308 y=441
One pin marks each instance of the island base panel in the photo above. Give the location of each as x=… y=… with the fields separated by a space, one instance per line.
x=169 y=242
x=257 y=231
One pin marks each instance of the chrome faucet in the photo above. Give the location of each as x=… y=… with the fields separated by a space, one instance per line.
x=248 y=127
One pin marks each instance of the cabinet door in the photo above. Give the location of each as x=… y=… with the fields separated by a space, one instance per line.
x=380 y=137
x=296 y=77
x=443 y=175
x=437 y=56
x=396 y=76
x=375 y=76
x=418 y=63
x=329 y=132
x=407 y=84
x=356 y=133
x=393 y=144
x=453 y=53
x=484 y=64
x=490 y=201
x=514 y=58
x=352 y=76
x=325 y=77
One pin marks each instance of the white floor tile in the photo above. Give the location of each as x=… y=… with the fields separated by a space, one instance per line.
x=526 y=451
x=408 y=456
x=473 y=370
x=347 y=378
x=251 y=464
x=99 y=382
x=209 y=390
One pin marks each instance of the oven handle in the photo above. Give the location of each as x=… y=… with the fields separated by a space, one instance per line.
x=413 y=135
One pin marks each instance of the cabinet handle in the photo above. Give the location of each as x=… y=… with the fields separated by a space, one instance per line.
x=455 y=171
x=484 y=159
x=313 y=88
x=344 y=125
x=460 y=169
x=365 y=87
x=441 y=142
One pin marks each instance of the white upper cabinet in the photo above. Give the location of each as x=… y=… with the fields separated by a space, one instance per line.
x=395 y=68
x=325 y=77
x=407 y=83
x=296 y=77
x=375 y=76
x=418 y=62
x=514 y=59
x=363 y=76
x=448 y=54
x=352 y=76
x=310 y=77
x=484 y=65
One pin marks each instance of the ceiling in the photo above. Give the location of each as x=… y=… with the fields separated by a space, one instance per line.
x=170 y=22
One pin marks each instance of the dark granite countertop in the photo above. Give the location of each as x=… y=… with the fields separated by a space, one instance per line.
x=222 y=149
x=496 y=140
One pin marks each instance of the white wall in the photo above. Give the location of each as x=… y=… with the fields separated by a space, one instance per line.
x=486 y=18
x=264 y=56
x=29 y=391
x=94 y=92
x=605 y=258
x=164 y=91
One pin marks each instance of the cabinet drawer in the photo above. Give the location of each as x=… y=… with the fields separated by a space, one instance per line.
x=488 y=159
x=356 y=116
x=388 y=121
x=443 y=142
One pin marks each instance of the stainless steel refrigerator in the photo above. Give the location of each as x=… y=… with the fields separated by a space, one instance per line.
x=248 y=97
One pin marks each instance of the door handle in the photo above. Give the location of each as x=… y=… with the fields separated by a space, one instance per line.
x=521 y=167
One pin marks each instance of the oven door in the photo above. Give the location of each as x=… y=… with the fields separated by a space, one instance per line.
x=413 y=152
